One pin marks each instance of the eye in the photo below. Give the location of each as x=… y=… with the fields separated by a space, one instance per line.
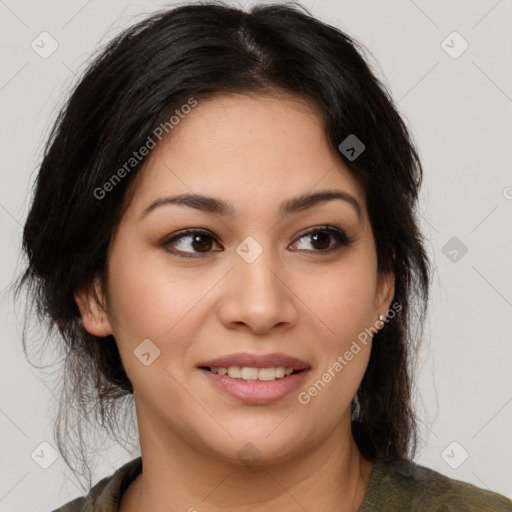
x=197 y=239
x=321 y=237
x=202 y=241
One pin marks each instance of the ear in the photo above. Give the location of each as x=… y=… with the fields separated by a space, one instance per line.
x=90 y=301
x=384 y=294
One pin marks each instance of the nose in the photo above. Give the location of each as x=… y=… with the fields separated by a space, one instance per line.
x=257 y=296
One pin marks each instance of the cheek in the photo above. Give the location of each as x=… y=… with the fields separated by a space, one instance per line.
x=341 y=300
x=342 y=303
x=151 y=299
x=147 y=297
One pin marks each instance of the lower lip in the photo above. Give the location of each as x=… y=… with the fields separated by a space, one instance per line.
x=256 y=392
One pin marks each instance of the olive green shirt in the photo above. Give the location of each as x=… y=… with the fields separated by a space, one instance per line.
x=393 y=487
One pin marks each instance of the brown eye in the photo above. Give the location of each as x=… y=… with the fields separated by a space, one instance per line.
x=321 y=238
x=194 y=243
x=201 y=243
x=196 y=240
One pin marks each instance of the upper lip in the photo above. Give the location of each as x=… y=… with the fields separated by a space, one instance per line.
x=246 y=359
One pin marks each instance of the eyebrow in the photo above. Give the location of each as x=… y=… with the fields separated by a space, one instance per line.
x=219 y=207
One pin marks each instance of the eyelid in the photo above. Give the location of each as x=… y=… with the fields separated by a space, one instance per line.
x=322 y=227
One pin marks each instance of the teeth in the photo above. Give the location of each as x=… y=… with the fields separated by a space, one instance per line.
x=247 y=373
x=234 y=372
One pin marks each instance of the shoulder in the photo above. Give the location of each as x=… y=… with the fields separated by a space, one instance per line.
x=407 y=486
x=106 y=494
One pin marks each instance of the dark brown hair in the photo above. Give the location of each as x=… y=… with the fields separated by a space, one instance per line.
x=133 y=86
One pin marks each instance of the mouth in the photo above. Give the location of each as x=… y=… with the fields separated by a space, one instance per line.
x=255 y=379
x=250 y=364
x=246 y=373
x=254 y=391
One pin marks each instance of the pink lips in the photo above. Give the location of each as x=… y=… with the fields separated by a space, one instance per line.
x=256 y=392
x=241 y=359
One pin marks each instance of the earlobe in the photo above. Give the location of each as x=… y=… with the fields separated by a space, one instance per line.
x=90 y=301
x=385 y=292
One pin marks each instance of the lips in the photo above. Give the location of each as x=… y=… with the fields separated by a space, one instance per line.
x=256 y=392
x=245 y=359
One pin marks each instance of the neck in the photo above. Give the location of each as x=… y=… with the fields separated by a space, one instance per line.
x=330 y=476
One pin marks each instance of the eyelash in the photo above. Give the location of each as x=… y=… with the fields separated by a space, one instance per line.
x=340 y=236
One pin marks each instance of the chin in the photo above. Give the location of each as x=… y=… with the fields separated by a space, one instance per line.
x=258 y=449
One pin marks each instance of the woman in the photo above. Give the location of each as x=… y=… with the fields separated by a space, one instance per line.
x=224 y=230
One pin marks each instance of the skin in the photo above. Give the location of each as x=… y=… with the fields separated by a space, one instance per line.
x=253 y=152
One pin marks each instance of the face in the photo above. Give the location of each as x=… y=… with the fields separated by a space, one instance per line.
x=258 y=279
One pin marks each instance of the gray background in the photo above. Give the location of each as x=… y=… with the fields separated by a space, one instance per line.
x=459 y=111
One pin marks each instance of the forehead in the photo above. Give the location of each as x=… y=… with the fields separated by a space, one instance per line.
x=245 y=149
